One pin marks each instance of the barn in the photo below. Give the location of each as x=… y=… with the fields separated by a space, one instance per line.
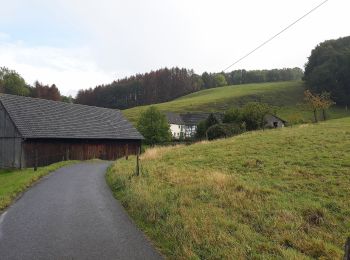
x=40 y=132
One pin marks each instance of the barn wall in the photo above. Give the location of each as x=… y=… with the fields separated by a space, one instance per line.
x=10 y=142
x=51 y=151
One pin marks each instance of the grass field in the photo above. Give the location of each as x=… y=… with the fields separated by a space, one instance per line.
x=284 y=95
x=13 y=182
x=275 y=194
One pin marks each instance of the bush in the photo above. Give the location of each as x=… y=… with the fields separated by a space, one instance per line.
x=224 y=130
x=253 y=114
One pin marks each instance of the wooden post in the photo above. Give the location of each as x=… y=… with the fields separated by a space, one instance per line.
x=127 y=152
x=36 y=160
x=347 y=249
x=138 y=162
x=67 y=154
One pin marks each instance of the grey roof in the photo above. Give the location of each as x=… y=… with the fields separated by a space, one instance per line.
x=174 y=118
x=271 y=117
x=195 y=118
x=40 y=118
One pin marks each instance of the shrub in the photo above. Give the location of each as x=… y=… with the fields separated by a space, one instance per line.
x=224 y=130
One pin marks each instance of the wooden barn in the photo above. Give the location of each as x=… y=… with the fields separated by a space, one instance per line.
x=40 y=132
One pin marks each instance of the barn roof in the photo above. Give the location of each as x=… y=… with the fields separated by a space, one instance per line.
x=40 y=118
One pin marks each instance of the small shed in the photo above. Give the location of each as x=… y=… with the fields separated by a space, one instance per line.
x=40 y=132
x=273 y=121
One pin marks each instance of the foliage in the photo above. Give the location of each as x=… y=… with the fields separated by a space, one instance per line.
x=328 y=69
x=211 y=120
x=232 y=115
x=224 y=130
x=45 y=91
x=220 y=80
x=201 y=132
x=13 y=182
x=12 y=83
x=316 y=102
x=154 y=127
x=235 y=199
x=253 y=115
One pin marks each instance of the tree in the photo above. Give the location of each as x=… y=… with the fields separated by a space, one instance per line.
x=201 y=131
x=233 y=115
x=220 y=80
x=211 y=120
x=325 y=102
x=253 y=114
x=154 y=127
x=327 y=69
x=12 y=83
x=46 y=92
x=313 y=102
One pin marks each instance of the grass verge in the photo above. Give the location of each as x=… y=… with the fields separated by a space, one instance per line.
x=14 y=182
x=276 y=194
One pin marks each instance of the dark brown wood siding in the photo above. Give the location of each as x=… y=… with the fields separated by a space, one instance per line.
x=10 y=142
x=54 y=150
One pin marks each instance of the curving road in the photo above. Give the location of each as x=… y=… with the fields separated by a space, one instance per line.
x=71 y=215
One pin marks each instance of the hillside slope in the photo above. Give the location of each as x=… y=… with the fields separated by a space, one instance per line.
x=275 y=194
x=284 y=95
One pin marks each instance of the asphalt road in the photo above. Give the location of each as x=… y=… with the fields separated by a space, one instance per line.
x=71 y=214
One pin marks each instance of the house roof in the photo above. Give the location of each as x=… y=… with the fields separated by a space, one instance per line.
x=40 y=118
x=174 y=118
x=189 y=118
x=194 y=118
x=271 y=116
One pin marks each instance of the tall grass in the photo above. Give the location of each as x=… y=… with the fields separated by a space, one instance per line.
x=276 y=194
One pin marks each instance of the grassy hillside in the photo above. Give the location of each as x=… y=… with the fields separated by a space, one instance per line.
x=285 y=95
x=275 y=194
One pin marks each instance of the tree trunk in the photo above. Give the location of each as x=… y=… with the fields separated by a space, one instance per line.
x=315 y=115
x=324 y=114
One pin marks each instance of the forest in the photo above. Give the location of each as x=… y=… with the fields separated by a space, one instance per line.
x=167 y=84
x=143 y=89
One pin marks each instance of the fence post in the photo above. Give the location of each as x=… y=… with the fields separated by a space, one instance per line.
x=347 y=249
x=138 y=162
x=36 y=160
x=67 y=154
x=127 y=152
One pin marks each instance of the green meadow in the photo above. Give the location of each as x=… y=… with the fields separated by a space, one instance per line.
x=286 y=97
x=273 y=194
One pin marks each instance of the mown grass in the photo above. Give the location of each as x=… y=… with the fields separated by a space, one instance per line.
x=284 y=95
x=14 y=182
x=275 y=194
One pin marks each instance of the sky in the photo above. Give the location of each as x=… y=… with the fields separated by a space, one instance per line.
x=78 y=44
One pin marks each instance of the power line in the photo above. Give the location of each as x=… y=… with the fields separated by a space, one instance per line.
x=273 y=37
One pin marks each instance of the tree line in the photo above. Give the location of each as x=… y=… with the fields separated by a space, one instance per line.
x=167 y=84
x=12 y=83
x=328 y=70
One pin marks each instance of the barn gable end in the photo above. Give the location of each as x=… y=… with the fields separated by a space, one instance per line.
x=10 y=141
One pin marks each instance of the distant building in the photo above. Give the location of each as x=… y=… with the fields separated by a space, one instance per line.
x=185 y=125
x=273 y=121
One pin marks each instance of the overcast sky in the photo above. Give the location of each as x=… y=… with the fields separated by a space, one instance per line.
x=82 y=43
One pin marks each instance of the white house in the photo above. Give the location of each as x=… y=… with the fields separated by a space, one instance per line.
x=185 y=125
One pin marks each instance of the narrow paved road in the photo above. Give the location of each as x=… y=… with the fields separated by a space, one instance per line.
x=71 y=215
